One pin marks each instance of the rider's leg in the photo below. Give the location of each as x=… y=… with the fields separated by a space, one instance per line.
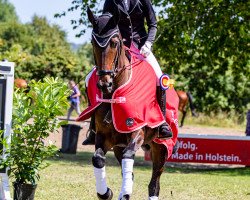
x=164 y=130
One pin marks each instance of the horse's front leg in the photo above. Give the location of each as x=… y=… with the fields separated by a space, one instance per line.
x=127 y=163
x=98 y=161
x=158 y=155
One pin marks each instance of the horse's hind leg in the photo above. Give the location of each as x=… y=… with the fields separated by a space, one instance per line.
x=184 y=113
x=98 y=161
x=118 y=151
x=158 y=154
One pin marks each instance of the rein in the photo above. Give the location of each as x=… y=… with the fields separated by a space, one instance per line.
x=131 y=64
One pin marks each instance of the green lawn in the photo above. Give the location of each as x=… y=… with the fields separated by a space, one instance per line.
x=70 y=177
x=221 y=120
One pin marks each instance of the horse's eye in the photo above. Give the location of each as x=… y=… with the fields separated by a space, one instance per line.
x=113 y=44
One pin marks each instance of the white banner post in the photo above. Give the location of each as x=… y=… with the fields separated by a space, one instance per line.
x=6 y=104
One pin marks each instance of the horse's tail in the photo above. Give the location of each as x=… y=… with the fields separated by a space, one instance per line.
x=191 y=104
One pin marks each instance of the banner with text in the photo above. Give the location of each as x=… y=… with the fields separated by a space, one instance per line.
x=212 y=149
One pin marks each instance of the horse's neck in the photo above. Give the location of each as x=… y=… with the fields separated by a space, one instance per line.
x=124 y=70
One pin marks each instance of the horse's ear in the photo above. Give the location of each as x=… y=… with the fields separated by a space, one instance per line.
x=92 y=18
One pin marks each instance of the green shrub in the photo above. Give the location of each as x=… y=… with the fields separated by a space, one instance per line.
x=34 y=118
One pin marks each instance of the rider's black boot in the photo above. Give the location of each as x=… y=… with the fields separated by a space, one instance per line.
x=91 y=133
x=165 y=131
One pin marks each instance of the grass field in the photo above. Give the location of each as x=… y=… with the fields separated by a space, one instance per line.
x=70 y=177
x=222 y=120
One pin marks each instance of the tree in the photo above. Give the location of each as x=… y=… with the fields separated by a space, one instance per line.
x=38 y=49
x=206 y=42
x=82 y=21
x=85 y=55
x=7 y=12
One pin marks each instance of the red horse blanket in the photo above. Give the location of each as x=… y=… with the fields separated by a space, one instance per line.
x=139 y=106
x=92 y=91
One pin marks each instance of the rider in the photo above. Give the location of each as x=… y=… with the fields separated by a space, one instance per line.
x=132 y=14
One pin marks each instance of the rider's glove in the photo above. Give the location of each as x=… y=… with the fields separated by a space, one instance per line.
x=146 y=49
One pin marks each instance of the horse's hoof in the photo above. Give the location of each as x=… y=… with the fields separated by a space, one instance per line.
x=107 y=196
x=125 y=197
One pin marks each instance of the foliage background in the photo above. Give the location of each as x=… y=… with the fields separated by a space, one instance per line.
x=40 y=49
x=204 y=45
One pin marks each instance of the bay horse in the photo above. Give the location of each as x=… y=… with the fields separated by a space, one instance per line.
x=185 y=98
x=20 y=83
x=112 y=71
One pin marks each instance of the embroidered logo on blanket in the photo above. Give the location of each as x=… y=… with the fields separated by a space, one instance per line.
x=130 y=122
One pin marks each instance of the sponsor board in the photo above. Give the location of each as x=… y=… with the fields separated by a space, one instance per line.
x=212 y=149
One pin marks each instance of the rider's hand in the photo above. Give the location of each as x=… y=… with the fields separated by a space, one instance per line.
x=146 y=49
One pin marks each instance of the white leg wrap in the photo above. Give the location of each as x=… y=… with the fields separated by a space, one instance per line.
x=127 y=177
x=153 y=198
x=100 y=177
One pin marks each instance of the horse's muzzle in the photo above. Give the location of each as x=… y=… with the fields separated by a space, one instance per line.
x=105 y=86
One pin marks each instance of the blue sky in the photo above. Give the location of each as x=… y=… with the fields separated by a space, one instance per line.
x=25 y=9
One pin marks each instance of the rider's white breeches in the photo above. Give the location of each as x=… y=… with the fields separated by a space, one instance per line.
x=155 y=65
x=151 y=60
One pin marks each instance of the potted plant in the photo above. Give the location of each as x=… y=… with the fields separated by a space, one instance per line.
x=34 y=119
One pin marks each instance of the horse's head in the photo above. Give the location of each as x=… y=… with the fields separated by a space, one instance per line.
x=107 y=46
